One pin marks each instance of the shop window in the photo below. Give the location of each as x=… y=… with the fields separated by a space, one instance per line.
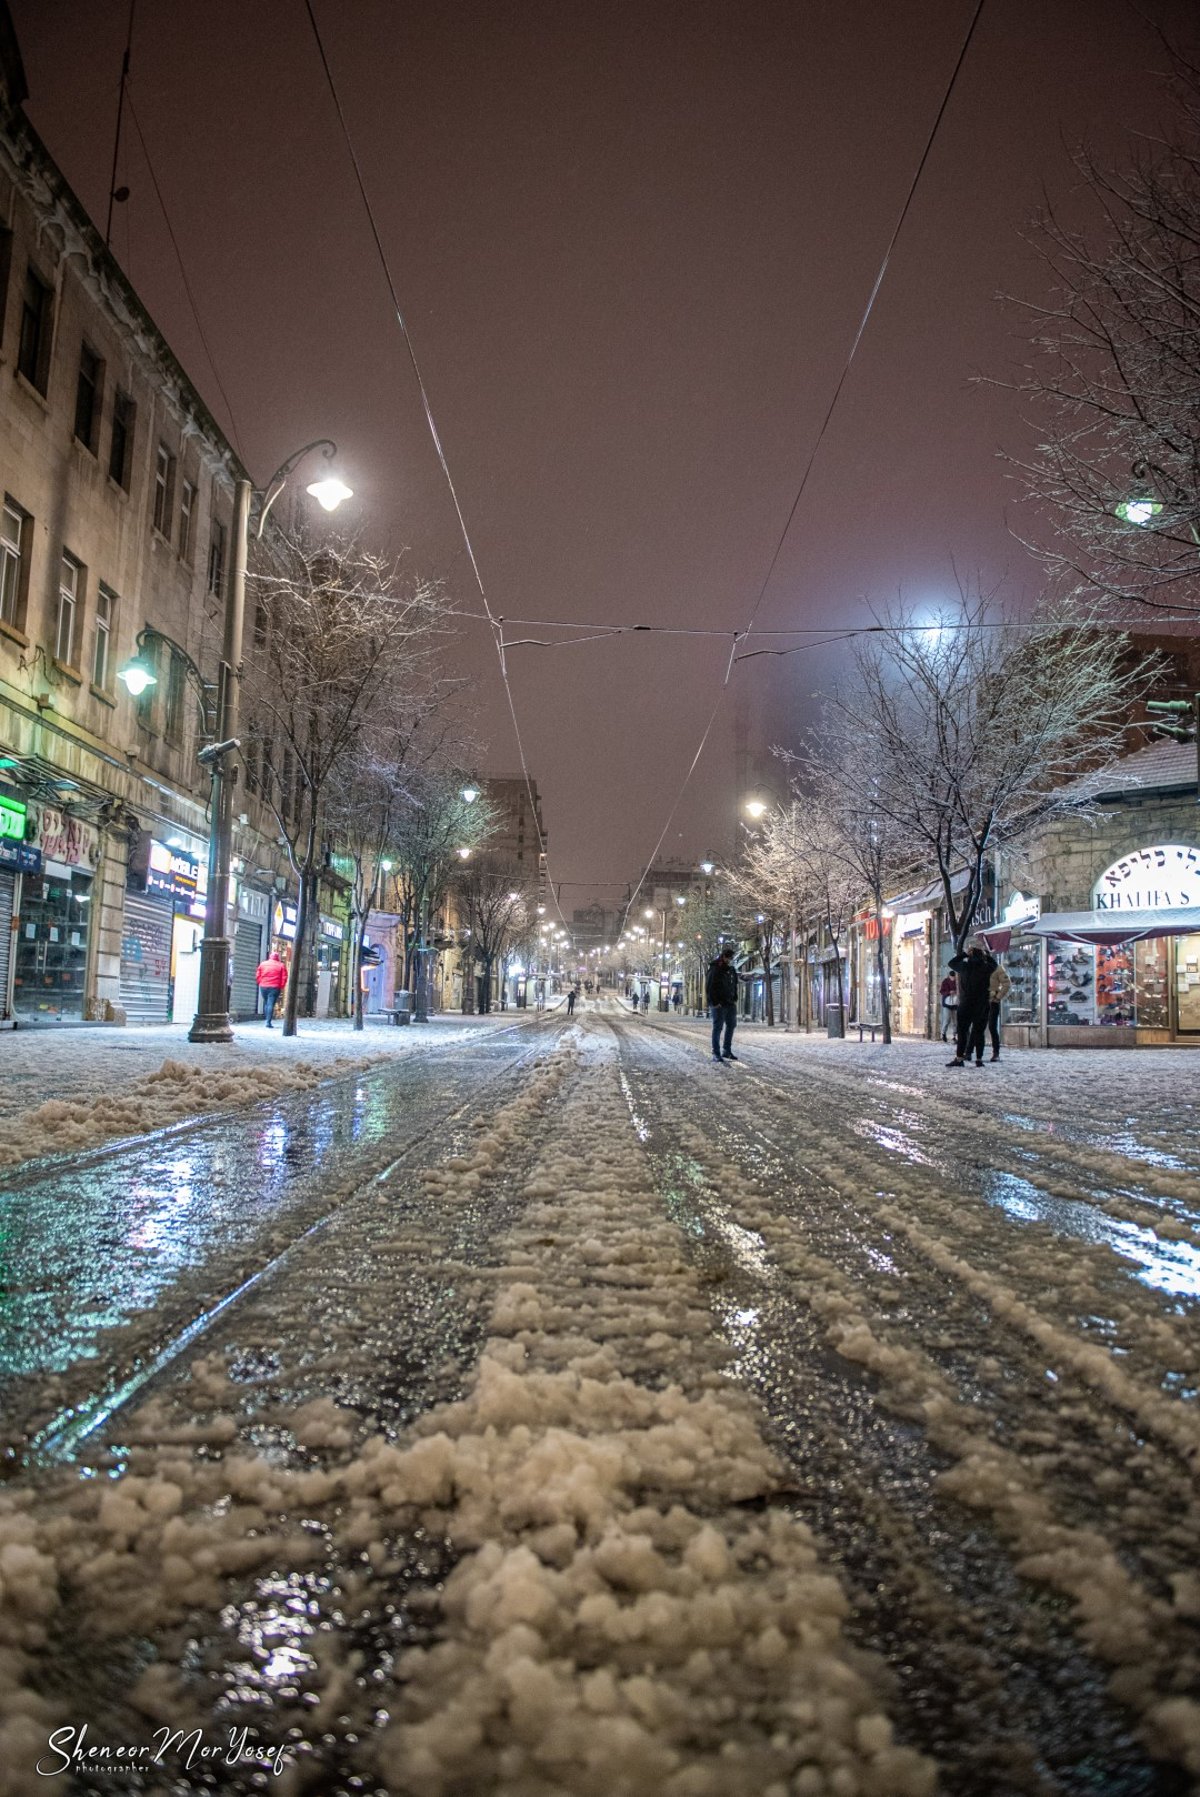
x=120 y=451
x=164 y=489
x=33 y=350
x=106 y=623
x=51 y=945
x=1022 y=963
x=1150 y=985
x=1114 y=984
x=187 y=515
x=70 y=598
x=14 y=563
x=1070 y=983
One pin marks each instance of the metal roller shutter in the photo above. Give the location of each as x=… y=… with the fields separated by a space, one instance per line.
x=8 y=886
x=247 y=953
x=146 y=959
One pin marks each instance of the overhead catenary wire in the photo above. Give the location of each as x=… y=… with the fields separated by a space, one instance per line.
x=818 y=440
x=385 y=266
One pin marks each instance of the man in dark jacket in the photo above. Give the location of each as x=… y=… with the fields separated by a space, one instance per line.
x=974 y=970
x=721 y=991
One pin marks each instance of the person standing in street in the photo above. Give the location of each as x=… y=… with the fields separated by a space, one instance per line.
x=271 y=977
x=948 y=993
x=974 y=970
x=721 y=991
x=571 y=1002
x=999 y=987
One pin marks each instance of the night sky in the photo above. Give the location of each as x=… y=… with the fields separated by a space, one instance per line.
x=633 y=244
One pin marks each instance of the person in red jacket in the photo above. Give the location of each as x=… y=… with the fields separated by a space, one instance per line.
x=272 y=978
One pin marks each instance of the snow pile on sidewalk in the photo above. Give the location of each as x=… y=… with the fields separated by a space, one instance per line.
x=175 y=1091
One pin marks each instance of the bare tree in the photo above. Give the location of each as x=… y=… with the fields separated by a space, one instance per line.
x=497 y=903
x=760 y=908
x=875 y=850
x=338 y=635
x=1114 y=372
x=978 y=729
x=433 y=829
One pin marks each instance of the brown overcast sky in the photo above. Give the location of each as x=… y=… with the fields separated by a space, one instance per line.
x=633 y=243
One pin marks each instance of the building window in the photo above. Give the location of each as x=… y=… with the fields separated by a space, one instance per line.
x=176 y=694
x=106 y=622
x=187 y=509
x=70 y=597
x=33 y=351
x=88 y=393
x=164 y=489
x=216 y=559
x=12 y=564
x=252 y=766
x=120 y=455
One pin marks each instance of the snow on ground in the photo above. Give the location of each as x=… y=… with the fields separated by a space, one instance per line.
x=62 y=1090
x=628 y=1612
x=493 y=1492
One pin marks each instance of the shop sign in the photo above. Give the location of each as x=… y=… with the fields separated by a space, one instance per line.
x=13 y=813
x=65 y=839
x=1019 y=910
x=253 y=904
x=911 y=923
x=172 y=873
x=283 y=921
x=19 y=856
x=331 y=930
x=1163 y=878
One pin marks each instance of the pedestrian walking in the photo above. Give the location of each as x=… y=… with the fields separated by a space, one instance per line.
x=571 y=1002
x=271 y=976
x=948 y=992
x=999 y=987
x=633 y=999
x=974 y=970
x=721 y=991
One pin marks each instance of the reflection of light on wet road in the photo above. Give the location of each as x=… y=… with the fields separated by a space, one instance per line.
x=1170 y=1267
x=895 y=1141
x=275 y=1628
x=747 y=1249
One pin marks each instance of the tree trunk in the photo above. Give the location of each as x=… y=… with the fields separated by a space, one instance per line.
x=357 y=968
x=885 y=999
x=303 y=913
x=768 y=992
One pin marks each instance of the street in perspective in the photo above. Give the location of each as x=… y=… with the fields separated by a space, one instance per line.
x=600 y=977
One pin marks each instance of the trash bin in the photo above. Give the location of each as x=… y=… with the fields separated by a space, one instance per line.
x=835 y=1020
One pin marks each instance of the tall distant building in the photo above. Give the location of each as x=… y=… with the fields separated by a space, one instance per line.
x=520 y=838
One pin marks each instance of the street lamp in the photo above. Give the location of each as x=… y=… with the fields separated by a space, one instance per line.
x=211 y=1023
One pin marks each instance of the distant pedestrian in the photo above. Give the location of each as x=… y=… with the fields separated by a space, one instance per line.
x=974 y=970
x=633 y=999
x=271 y=976
x=571 y=1002
x=721 y=991
x=999 y=987
x=948 y=992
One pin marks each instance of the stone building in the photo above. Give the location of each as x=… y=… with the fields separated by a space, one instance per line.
x=116 y=489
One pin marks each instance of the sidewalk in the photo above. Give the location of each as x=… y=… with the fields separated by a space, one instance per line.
x=41 y=1064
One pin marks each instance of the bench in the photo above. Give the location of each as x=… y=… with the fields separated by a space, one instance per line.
x=866 y=1024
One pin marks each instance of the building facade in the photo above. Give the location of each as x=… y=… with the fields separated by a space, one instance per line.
x=116 y=488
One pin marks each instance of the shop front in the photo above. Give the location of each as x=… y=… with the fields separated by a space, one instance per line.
x=253 y=914
x=1125 y=973
x=17 y=857
x=165 y=893
x=53 y=921
x=331 y=938
x=911 y=932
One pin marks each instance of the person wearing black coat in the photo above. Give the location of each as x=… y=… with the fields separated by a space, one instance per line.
x=974 y=970
x=721 y=991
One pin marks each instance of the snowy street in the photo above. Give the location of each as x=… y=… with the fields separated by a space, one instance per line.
x=561 y=1415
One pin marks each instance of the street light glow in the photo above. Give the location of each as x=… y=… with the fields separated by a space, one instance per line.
x=1138 y=511
x=137 y=677
x=330 y=492
x=756 y=807
x=470 y=794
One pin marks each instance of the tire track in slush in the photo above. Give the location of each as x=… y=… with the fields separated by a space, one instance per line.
x=990 y=1667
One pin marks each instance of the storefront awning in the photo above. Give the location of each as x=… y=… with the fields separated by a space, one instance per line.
x=1111 y=927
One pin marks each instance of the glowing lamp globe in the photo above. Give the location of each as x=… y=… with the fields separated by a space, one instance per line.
x=330 y=492
x=137 y=677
